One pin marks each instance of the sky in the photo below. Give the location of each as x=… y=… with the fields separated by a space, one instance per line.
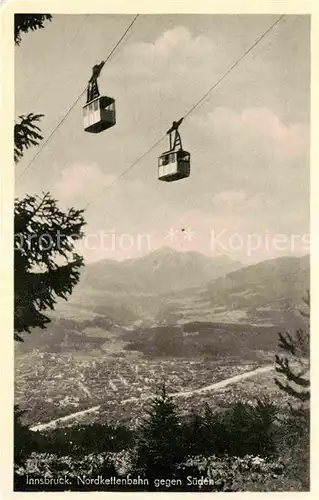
x=248 y=192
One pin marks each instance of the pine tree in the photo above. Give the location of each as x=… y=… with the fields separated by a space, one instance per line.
x=195 y=434
x=294 y=433
x=159 y=447
x=24 y=441
x=45 y=264
x=294 y=365
x=28 y=22
x=26 y=134
x=44 y=236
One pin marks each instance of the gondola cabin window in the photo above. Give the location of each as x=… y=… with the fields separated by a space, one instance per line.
x=99 y=114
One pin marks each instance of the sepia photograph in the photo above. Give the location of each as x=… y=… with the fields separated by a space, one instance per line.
x=161 y=252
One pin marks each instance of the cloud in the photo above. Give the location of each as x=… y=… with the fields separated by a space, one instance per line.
x=172 y=39
x=238 y=235
x=80 y=180
x=176 y=41
x=232 y=197
x=114 y=201
x=259 y=128
x=248 y=141
x=173 y=60
x=237 y=201
x=87 y=182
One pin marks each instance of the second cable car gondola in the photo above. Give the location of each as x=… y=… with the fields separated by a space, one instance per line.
x=174 y=164
x=99 y=111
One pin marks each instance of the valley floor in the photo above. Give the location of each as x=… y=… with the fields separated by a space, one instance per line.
x=181 y=394
x=57 y=389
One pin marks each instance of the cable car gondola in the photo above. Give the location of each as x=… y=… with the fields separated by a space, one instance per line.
x=99 y=111
x=174 y=164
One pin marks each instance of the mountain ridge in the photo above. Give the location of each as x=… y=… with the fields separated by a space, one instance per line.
x=259 y=298
x=160 y=271
x=264 y=293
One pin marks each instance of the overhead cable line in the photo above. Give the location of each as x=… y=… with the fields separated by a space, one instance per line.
x=78 y=29
x=196 y=105
x=75 y=102
x=233 y=66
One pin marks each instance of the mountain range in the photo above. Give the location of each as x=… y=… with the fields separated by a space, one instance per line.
x=158 y=272
x=173 y=292
x=167 y=286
